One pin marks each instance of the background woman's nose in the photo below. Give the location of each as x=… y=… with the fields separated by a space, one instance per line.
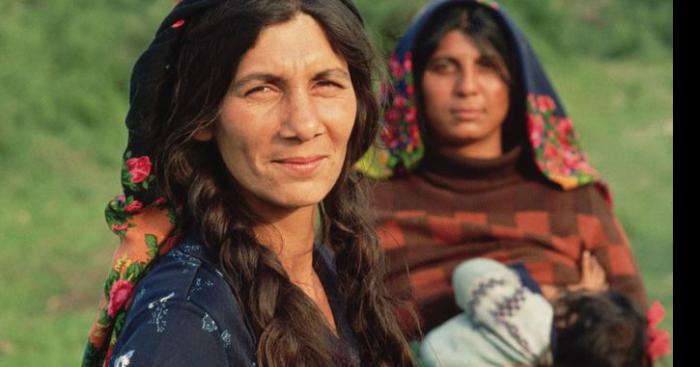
x=465 y=83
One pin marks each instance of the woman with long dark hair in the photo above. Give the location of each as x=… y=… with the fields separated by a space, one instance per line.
x=246 y=119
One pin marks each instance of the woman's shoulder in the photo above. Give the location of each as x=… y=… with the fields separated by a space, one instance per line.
x=184 y=307
x=185 y=275
x=585 y=199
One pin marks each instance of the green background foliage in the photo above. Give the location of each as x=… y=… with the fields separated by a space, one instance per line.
x=64 y=71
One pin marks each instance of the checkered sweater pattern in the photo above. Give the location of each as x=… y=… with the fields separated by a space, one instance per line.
x=446 y=212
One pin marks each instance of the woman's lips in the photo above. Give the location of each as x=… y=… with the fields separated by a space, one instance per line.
x=467 y=114
x=301 y=166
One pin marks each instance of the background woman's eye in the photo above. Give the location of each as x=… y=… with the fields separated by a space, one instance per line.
x=495 y=67
x=488 y=63
x=442 y=67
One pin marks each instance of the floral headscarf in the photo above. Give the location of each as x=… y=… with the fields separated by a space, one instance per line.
x=146 y=225
x=400 y=146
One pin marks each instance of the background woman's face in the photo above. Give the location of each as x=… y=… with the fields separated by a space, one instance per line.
x=285 y=123
x=465 y=92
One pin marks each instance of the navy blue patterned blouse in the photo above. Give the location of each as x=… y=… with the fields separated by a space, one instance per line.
x=185 y=314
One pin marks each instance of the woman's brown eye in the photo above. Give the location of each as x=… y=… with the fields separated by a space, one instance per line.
x=328 y=84
x=259 y=90
x=442 y=67
x=488 y=63
x=493 y=66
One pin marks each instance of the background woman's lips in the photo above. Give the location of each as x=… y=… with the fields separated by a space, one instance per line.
x=467 y=113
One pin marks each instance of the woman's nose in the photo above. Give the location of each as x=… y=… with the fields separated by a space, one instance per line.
x=466 y=83
x=302 y=121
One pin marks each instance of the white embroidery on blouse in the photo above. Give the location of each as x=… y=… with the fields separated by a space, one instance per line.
x=124 y=360
x=160 y=311
x=208 y=323
x=162 y=300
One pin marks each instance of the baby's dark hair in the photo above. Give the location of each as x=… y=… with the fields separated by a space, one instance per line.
x=599 y=330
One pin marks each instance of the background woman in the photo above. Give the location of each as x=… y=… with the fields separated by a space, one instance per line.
x=479 y=141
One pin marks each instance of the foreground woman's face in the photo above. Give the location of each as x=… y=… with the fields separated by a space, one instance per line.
x=465 y=94
x=285 y=123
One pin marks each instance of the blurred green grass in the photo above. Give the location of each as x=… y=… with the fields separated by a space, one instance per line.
x=63 y=95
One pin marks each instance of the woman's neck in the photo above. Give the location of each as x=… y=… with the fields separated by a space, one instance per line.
x=475 y=150
x=290 y=235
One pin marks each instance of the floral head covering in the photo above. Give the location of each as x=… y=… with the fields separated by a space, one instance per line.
x=400 y=146
x=145 y=223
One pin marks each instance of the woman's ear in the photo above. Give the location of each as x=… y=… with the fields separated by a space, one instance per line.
x=205 y=133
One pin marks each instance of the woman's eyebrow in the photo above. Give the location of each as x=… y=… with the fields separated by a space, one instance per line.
x=443 y=58
x=334 y=72
x=271 y=78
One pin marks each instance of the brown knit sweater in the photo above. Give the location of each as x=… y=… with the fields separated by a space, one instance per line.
x=447 y=212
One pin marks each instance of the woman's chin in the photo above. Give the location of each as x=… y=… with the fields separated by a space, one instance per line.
x=294 y=196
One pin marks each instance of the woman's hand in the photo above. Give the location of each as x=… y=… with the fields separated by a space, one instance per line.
x=592 y=279
x=592 y=275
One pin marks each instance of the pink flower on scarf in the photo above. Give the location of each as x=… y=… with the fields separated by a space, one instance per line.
x=556 y=167
x=572 y=159
x=550 y=152
x=658 y=344
x=118 y=296
x=410 y=89
x=411 y=115
x=408 y=62
x=545 y=103
x=563 y=142
x=658 y=340
x=536 y=127
x=179 y=23
x=532 y=102
x=119 y=227
x=564 y=126
x=399 y=101
x=395 y=67
x=139 y=168
x=160 y=201
x=392 y=115
x=134 y=206
x=584 y=167
x=552 y=167
x=655 y=314
x=536 y=139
